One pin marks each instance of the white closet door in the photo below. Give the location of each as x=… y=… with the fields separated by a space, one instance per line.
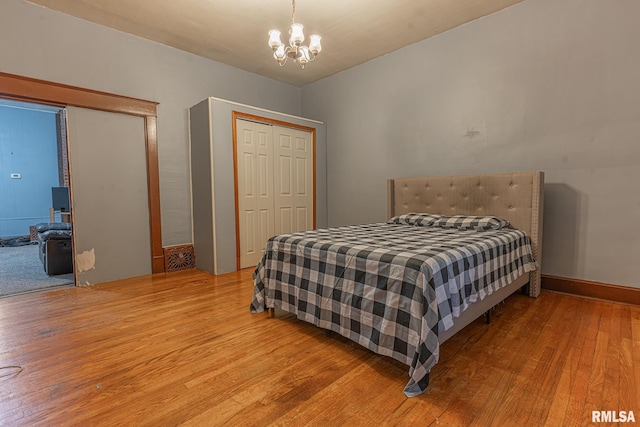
x=254 y=145
x=293 y=178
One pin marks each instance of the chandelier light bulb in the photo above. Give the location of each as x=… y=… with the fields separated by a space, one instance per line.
x=280 y=55
x=314 y=44
x=297 y=36
x=303 y=56
x=274 y=39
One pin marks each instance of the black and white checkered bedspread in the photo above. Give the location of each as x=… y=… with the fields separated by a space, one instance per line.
x=389 y=287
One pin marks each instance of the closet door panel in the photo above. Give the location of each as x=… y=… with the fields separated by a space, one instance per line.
x=293 y=192
x=254 y=145
x=302 y=217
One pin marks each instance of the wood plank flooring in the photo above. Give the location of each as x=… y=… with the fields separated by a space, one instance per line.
x=183 y=349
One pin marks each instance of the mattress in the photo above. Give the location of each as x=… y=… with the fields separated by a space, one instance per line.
x=389 y=287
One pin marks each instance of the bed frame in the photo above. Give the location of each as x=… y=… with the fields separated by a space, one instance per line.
x=516 y=197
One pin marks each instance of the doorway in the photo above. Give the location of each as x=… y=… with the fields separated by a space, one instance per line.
x=49 y=93
x=33 y=159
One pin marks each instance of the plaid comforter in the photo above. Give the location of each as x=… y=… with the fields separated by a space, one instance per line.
x=389 y=287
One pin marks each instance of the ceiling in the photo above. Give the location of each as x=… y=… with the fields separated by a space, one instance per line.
x=235 y=32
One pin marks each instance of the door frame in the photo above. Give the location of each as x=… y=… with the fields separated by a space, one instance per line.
x=265 y=120
x=26 y=89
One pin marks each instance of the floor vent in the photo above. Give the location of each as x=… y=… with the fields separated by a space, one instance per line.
x=179 y=258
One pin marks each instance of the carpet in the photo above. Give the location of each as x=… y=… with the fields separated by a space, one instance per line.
x=21 y=271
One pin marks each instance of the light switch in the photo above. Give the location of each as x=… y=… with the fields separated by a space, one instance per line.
x=16 y=176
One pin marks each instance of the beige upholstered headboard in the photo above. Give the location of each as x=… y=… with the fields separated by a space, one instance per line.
x=516 y=197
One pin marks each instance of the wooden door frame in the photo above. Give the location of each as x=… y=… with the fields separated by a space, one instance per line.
x=36 y=91
x=265 y=120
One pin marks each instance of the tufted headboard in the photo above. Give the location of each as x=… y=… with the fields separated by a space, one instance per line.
x=516 y=197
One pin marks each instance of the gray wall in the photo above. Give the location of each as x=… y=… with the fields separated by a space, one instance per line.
x=546 y=84
x=44 y=44
x=543 y=85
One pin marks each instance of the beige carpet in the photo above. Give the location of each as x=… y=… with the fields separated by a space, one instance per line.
x=21 y=271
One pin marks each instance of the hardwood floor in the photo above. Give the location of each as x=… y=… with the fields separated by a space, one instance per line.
x=183 y=349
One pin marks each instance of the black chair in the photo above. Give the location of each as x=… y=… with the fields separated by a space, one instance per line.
x=55 y=250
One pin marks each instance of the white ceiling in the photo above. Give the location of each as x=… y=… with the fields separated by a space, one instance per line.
x=235 y=32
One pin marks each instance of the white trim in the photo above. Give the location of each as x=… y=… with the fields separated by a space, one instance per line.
x=213 y=188
x=193 y=239
x=265 y=110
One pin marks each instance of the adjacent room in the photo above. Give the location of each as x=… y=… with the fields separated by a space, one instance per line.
x=34 y=194
x=319 y=213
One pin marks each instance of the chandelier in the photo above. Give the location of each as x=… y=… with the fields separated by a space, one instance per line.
x=296 y=50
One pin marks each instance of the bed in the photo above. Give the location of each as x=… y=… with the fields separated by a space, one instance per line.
x=452 y=248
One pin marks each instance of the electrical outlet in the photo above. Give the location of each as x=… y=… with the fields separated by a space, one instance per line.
x=16 y=176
